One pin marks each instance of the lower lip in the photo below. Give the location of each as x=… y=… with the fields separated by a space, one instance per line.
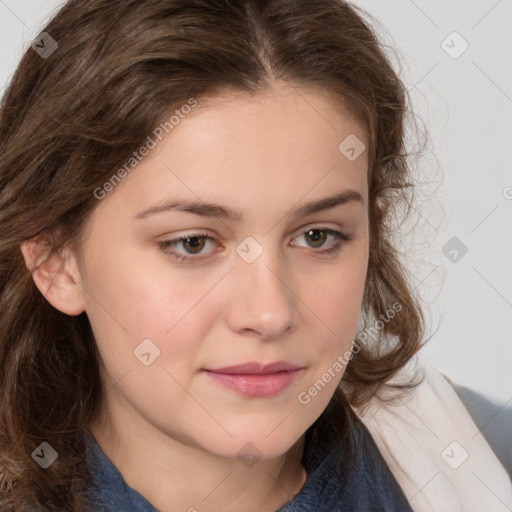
x=256 y=385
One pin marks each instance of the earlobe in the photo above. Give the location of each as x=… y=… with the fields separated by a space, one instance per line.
x=55 y=276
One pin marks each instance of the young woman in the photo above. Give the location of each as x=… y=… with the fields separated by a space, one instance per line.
x=198 y=282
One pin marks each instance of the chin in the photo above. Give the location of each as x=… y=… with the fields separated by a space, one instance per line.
x=254 y=444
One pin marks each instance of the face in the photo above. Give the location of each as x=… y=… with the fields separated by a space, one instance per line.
x=178 y=298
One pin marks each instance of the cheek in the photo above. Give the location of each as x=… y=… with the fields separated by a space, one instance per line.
x=338 y=308
x=139 y=293
x=338 y=301
x=337 y=304
x=129 y=304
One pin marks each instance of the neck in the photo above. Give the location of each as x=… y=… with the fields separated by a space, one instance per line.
x=174 y=476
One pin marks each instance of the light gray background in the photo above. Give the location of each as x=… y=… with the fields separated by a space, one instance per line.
x=466 y=105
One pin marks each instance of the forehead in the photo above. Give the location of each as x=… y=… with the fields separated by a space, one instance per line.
x=317 y=109
x=278 y=146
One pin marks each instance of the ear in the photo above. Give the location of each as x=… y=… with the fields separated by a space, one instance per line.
x=56 y=277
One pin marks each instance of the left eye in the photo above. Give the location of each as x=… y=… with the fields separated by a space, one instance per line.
x=194 y=244
x=319 y=236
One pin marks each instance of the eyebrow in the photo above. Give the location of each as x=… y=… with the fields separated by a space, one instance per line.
x=216 y=210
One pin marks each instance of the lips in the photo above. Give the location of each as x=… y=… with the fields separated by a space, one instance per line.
x=256 y=380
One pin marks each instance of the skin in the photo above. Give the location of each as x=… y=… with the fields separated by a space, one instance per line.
x=172 y=432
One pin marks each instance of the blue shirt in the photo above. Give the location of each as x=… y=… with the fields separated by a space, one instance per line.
x=350 y=476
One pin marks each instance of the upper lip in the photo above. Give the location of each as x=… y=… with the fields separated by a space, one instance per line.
x=256 y=368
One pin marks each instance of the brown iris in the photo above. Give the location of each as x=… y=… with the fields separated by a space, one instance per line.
x=197 y=243
x=317 y=238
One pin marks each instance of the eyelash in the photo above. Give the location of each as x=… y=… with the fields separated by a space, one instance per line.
x=164 y=245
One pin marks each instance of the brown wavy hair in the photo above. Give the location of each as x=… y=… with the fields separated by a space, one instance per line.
x=68 y=121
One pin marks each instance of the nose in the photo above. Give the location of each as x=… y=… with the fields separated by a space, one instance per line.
x=262 y=300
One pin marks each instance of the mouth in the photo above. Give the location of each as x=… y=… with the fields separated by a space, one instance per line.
x=256 y=379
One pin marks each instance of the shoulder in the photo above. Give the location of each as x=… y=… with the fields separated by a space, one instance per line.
x=433 y=447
